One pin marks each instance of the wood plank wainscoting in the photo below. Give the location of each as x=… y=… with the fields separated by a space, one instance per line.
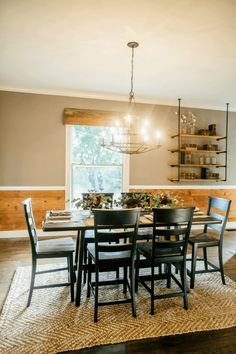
x=11 y=210
x=12 y=217
x=199 y=197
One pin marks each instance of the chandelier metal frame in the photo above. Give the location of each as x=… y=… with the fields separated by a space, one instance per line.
x=130 y=139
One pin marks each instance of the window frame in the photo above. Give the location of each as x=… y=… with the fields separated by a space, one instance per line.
x=68 y=163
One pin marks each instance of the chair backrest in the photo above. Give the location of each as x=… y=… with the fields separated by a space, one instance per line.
x=112 y=225
x=219 y=209
x=171 y=229
x=29 y=218
x=97 y=196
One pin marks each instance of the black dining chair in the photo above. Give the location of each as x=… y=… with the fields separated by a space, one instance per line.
x=211 y=236
x=109 y=252
x=44 y=249
x=89 y=234
x=166 y=252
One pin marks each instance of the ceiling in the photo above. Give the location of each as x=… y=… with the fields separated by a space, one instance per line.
x=79 y=48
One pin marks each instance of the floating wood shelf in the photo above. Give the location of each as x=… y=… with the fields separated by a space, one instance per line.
x=195 y=179
x=215 y=137
x=196 y=165
x=199 y=151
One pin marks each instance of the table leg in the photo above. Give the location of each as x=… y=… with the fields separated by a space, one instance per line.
x=77 y=249
x=80 y=248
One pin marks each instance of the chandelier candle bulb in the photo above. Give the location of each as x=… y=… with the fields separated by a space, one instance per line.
x=158 y=136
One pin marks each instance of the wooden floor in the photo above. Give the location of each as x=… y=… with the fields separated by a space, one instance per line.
x=16 y=252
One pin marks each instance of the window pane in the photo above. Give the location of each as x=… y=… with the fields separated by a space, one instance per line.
x=87 y=149
x=100 y=179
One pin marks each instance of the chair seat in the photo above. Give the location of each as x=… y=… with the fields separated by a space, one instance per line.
x=203 y=238
x=60 y=245
x=146 y=250
x=114 y=256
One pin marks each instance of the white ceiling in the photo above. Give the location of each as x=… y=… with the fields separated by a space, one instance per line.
x=78 y=47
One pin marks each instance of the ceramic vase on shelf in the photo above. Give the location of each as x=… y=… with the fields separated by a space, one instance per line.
x=184 y=124
x=191 y=123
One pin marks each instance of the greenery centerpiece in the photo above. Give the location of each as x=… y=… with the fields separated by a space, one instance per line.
x=146 y=201
x=166 y=200
x=93 y=200
x=134 y=200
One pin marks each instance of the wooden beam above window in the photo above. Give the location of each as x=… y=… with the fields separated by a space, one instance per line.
x=92 y=117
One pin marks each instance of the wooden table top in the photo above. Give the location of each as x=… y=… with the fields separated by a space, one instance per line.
x=80 y=220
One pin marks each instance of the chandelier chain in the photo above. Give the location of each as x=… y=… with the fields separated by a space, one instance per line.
x=131 y=94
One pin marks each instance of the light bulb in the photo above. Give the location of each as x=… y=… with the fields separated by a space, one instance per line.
x=128 y=118
x=158 y=135
x=143 y=130
x=146 y=122
x=145 y=137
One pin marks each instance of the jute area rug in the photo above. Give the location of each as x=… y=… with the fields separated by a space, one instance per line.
x=53 y=324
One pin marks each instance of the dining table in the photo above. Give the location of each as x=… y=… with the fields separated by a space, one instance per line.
x=82 y=220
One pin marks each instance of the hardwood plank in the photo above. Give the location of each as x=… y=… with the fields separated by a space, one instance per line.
x=11 y=210
x=91 y=117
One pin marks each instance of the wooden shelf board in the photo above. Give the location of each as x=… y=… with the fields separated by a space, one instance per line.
x=195 y=165
x=198 y=151
x=199 y=136
x=196 y=179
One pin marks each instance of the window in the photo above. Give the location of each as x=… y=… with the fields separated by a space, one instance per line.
x=91 y=167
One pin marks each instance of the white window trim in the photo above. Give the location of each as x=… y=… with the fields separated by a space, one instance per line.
x=67 y=163
x=126 y=164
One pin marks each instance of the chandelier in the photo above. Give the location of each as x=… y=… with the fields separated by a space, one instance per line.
x=132 y=134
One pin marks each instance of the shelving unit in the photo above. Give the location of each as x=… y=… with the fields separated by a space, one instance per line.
x=203 y=170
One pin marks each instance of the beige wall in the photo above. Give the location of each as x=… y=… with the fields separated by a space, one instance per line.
x=32 y=139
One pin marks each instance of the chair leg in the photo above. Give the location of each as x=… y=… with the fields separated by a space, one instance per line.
x=184 y=285
x=125 y=280
x=33 y=271
x=118 y=269
x=205 y=258
x=132 y=286
x=77 y=249
x=68 y=266
x=168 y=272
x=96 y=296
x=137 y=271
x=193 y=265
x=85 y=253
x=71 y=267
x=221 y=264
x=152 y=289
x=89 y=276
